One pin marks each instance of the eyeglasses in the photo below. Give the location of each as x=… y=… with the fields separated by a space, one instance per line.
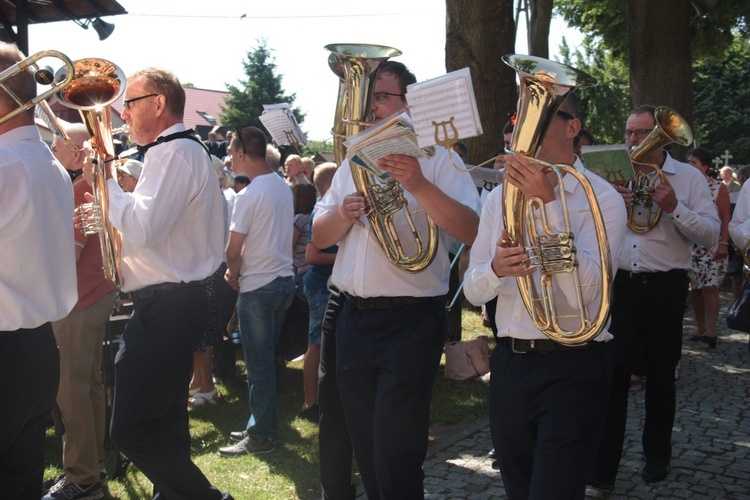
x=640 y=133
x=127 y=102
x=238 y=135
x=566 y=116
x=381 y=97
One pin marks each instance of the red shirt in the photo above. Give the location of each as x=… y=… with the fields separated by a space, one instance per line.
x=92 y=285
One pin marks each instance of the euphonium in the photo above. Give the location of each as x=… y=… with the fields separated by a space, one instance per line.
x=357 y=65
x=96 y=84
x=543 y=86
x=670 y=127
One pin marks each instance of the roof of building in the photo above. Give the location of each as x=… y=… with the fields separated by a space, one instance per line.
x=202 y=107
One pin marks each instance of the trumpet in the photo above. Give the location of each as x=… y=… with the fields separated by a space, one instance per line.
x=544 y=85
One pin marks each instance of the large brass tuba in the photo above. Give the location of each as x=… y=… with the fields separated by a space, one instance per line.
x=543 y=86
x=357 y=65
x=670 y=127
x=96 y=84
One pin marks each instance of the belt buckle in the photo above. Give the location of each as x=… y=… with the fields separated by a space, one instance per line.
x=513 y=346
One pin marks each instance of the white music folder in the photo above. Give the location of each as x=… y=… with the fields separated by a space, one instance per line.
x=444 y=109
x=280 y=122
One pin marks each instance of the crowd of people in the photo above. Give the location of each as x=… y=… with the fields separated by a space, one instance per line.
x=216 y=228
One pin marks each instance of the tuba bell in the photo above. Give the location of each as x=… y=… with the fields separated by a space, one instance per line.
x=97 y=83
x=544 y=85
x=670 y=127
x=357 y=65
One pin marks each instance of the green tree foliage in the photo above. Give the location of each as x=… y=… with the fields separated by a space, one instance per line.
x=711 y=34
x=722 y=101
x=262 y=86
x=604 y=108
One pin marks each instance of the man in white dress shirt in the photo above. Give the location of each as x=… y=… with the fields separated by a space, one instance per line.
x=172 y=238
x=548 y=401
x=391 y=330
x=37 y=284
x=649 y=299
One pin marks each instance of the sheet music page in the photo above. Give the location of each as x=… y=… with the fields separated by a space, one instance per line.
x=280 y=122
x=610 y=162
x=393 y=136
x=447 y=100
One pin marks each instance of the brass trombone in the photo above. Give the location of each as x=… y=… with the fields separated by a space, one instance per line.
x=544 y=85
x=41 y=75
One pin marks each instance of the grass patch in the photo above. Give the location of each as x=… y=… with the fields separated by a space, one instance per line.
x=291 y=471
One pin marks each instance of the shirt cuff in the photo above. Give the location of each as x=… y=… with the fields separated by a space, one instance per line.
x=679 y=213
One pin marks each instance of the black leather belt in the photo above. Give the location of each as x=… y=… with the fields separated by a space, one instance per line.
x=389 y=302
x=655 y=277
x=149 y=291
x=523 y=346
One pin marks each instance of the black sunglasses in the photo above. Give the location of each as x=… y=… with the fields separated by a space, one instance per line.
x=238 y=134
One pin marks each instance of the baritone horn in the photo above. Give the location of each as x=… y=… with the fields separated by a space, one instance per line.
x=670 y=127
x=96 y=83
x=357 y=65
x=544 y=85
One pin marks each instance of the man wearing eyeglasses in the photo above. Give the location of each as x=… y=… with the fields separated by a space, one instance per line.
x=391 y=330
x=650 y=292
x=172 y=228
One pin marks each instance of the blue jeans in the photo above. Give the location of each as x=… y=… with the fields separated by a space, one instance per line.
x=261 y=314
x=317 y=300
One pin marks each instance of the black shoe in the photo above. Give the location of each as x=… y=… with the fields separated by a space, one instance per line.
x=654 y=471
x=710 y=341
x=698 y=338
x=311 y=413
x=599 y=485
x=237 y=436
x=248 y=445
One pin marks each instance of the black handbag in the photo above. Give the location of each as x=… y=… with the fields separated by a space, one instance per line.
x=738 y=314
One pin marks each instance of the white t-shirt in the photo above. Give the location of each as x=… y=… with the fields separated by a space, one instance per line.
x=264 y=212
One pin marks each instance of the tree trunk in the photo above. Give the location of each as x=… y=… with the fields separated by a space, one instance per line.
x=478 y=34
x=659 y=55
x=539 y=22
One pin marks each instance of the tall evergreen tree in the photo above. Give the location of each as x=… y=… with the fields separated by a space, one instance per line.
x=262 y=86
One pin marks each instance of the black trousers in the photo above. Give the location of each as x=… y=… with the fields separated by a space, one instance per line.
x=333 y=439
x=647 y=314
x=152 y=372
x=386 y=361
x=30 y=370
x=547 y=411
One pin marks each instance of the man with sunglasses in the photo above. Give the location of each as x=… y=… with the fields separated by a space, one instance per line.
x=650 y=292
x=259 y=266
x=172 y=228
x=548 y=401
x=392 y=328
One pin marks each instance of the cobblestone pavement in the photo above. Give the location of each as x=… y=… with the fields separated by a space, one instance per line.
x=711 y=451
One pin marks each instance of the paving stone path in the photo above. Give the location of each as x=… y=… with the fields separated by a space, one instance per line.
x=711 y=455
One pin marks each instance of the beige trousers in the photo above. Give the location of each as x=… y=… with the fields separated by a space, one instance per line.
x=81 y=394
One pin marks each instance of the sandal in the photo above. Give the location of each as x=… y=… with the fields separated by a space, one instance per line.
x=204 y=398
x=193 y=392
